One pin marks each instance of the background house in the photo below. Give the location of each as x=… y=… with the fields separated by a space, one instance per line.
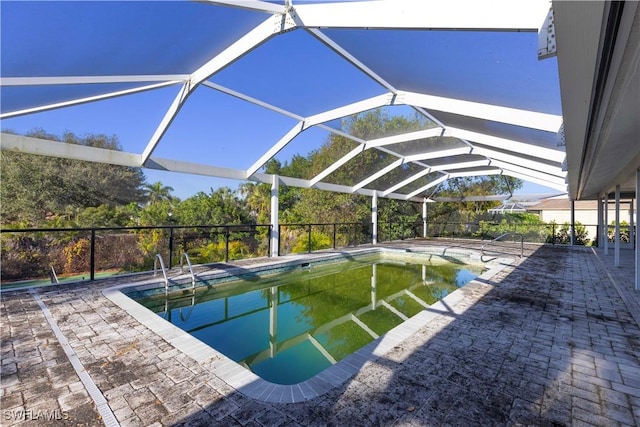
x=586 y=212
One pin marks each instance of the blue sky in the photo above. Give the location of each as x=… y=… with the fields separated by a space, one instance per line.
x=292 y=71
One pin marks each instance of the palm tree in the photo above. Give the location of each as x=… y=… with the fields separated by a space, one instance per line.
x=158 y=192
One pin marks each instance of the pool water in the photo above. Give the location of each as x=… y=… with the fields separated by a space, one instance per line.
x=288 y=327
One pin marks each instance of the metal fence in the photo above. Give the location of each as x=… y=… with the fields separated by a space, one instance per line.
x=84 y=253
x=87 y=253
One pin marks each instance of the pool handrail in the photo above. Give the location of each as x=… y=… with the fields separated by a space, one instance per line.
x=504 y=235
x=164 y=271
x=193 y=276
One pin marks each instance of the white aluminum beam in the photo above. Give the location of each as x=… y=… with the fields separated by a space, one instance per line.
x=378 y=174
x=491 y=198
x=439 y=154
x=25 y=144
x=341 y=133
x=352 y=59
x=73 y=151
x=529 y=172
x=495 y=113
x=166 y=121
x=405 y=137
x=191 y=168
x=347 y=110
x=276 y=148
x=556 y=155
x=428 y=186
x=529 y=178
x=240 y=47
x=251 y=100
x=462 y=165
x=504 y=15
x=374 y=143
x=479 y=172
x=85 y=100
x=546 y=168
x=335 y=165
x=407 y=181
x=44 y=147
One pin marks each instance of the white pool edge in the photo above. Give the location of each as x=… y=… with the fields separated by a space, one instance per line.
x=251 y=385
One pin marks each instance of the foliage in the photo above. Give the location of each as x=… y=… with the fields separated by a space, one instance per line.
x=624 y=232
x=215 y=252
x=158 y=192
x=563 y=236
x=221 y=206
x=34 y=187
x=318 y=241
x=529 y=225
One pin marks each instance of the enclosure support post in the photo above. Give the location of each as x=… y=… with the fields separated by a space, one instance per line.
x=374 y=217
x=92 y=256
x=632 y=237
x=171 y=247
x=424 y=218
x=226 y=244
x=600 y=226
x=637 y=250
x=616 y=253
x=275 y=229
x=572 y=240
x=606 y=224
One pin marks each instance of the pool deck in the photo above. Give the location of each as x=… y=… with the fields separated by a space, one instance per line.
x=551 y=339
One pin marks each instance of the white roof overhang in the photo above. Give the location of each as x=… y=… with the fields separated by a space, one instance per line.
x=599 y=67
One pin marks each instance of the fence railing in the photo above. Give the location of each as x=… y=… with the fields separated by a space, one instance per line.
x=81 y=253
x=298 y=238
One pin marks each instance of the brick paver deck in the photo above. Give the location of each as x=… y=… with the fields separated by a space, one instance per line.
x=550 y=340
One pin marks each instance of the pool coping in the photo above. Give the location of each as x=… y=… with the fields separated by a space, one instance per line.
x=253 y=386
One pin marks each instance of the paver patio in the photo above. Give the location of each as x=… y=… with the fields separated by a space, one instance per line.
x=553 y=339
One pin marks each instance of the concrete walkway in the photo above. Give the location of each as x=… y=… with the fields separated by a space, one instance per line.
x=550 y=340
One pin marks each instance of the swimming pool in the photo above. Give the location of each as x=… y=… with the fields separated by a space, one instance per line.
x=289 y=326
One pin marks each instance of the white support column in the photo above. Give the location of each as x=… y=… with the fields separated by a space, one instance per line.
x=637 y=250
x=275 y=229
x=424 y=218
x=572 y=240
x=616 y=250
x=600 y=226
x=632 y=236
x=374 y=217
x=606 y=224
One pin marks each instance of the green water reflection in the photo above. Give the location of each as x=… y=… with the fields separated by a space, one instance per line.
x=288 y=327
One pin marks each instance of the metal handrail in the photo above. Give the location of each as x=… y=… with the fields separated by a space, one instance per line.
x=193 y=276
x=164 y=271
x=503 y=235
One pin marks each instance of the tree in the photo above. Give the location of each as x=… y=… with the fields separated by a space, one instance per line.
x=158 y=191
x=35 y=187
x=221 y=206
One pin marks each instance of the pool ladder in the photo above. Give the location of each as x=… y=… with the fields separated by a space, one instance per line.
x=159 y=260
x=185 y=256
x=164 y=271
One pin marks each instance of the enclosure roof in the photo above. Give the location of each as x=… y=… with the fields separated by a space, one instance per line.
x=218 y=88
